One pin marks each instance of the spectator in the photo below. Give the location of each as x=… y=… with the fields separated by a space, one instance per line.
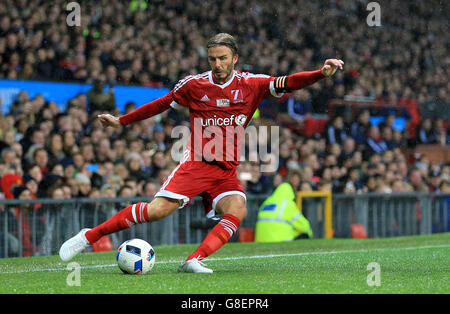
x=9 y=181
x=416 y=180
x=427 y=133
x=374 y=143
x=87 y=152
x=54 y=148
x=22 y=215
x=279 y=218
x=336 y=180
x=305 y=186
x=159 y=163
x=119 y=148
x=84 y=185
x=134 y=165
x=159 y=137
x=100 y=101
x=49 y=182
x=360 y=127
x=398 y=139
x=40 y=158
x=299 y=104
x=355 y=177
x=388 y=122
x=348 y=150
x=294 y=178
x=147 y=161
x=126 y=191
x=150 y=188
x=434 y=181
x=8 y=156
x=31 y=184
x=336 y=132
x=103 y=151
x=108 y=191
x=258 y=184
x=442 y=133
x=33 y=136
x=387 y=137
x=35 y=172
x=69 y=141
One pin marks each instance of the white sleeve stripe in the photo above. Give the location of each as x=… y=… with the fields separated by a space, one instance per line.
x=251 y=75
x=188 y=78
x=181 y=83
x=133 y=211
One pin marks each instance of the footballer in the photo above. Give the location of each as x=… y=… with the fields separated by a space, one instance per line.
x=218 y=100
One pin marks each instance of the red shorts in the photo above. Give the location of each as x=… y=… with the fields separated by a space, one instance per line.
x=192 y=178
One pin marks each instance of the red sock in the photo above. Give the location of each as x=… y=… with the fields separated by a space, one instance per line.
x=127 y=217
x=217 y=237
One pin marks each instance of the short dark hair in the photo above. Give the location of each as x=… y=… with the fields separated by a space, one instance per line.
x=223 y=39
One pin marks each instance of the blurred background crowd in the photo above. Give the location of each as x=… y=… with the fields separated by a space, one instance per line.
x=47 y=151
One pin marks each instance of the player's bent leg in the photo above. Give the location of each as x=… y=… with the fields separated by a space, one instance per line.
x=234 y=204
x=161 y=207
x=234 y=210
x=141 y=212
x=124 y=219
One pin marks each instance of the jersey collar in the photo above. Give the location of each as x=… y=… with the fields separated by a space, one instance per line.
x=224 y=84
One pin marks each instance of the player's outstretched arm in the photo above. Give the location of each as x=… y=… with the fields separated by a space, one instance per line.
x=303 y=79
x=144 y=112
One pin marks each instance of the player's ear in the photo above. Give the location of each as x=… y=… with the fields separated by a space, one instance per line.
x=235 y=58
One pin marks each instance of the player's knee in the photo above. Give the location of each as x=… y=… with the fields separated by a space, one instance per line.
x=240 y=208
x=161 y=207
x=239 y=211
x=234 y=205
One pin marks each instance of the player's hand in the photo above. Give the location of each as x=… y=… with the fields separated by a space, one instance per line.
x=331 y=65
x=109 y=120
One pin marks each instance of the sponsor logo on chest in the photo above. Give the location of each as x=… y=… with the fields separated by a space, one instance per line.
x=235 y=98
x=223 y=102
x=218 y=121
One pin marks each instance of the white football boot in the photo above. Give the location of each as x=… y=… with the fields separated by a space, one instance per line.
x=74 y=246
x=194 y=266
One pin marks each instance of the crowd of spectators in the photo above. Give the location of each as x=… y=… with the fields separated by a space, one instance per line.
x=155 y=43
x=67 y=154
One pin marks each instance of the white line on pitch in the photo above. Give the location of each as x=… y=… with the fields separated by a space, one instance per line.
x=239 y=258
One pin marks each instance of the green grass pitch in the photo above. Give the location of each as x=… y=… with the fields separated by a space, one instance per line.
x=417 y=264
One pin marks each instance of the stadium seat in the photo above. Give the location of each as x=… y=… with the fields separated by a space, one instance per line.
x=313 y=126
x=103 y=245
x=246 y=235
x=359 y=232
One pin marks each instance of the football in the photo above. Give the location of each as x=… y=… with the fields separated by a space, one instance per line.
x=135 y=256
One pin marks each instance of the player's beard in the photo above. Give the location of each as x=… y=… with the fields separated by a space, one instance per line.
x=224 y=78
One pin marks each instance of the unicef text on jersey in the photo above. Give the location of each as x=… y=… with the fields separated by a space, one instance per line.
x=226 y=139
